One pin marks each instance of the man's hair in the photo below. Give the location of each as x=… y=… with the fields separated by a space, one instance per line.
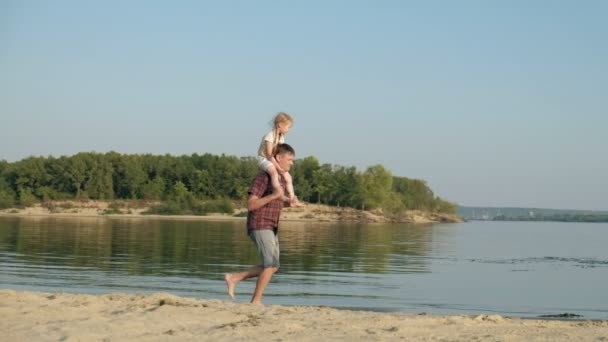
x=284 y=148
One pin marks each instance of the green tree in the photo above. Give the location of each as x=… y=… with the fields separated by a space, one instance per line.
x=180 y=193
x=323 y=183
x=247 y=170
x=154 y=189
x=28 y=175
x=374 y=186
x=100 y=184
x=201 y=183
x=61 y=177
x=128 y=176
x=26 y=198
x=346 y=179
x=7 y=195
x=303 y=177
x=76 y=173
x=210 y=177
x=414 y=193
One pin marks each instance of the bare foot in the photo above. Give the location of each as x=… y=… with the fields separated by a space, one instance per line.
x=230 y=283
x=257 y=303
x=295 y=202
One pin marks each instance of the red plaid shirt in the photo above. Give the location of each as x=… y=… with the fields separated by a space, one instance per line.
x=266 y=217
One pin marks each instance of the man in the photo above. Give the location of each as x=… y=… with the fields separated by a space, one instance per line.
x=264 y=208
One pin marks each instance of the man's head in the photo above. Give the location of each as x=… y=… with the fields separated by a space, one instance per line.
x=284 y=154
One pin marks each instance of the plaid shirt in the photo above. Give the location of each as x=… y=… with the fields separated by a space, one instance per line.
x=266 y=217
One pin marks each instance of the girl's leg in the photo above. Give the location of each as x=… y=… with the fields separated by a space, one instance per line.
x=274 y=178
x=290 y=191
x=289 y=181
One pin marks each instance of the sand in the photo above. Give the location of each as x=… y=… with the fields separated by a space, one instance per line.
x=34 y=316
x=308 y=213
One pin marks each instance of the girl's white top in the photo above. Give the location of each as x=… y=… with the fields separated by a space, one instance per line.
x=270 y=136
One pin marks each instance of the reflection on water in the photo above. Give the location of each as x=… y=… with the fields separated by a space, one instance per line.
x=466 y=268
x=207 y=249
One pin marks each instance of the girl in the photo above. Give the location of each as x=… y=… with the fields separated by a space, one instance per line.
x=281 y=124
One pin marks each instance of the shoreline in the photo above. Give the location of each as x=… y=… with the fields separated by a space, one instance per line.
x=309 y=213
x=162 y=316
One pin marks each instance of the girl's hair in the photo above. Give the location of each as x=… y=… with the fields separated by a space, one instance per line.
x=280 y=118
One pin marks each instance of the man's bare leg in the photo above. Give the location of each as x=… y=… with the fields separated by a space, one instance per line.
x=232 y=279
x=263 y=279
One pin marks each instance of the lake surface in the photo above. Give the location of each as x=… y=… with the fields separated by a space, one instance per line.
x=524 y=269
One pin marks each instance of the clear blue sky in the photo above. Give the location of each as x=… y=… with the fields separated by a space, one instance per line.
x=493 y=103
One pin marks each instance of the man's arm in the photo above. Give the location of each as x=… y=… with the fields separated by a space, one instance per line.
x=254 y=202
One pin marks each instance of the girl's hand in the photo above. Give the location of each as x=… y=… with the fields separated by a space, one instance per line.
x=276 y=165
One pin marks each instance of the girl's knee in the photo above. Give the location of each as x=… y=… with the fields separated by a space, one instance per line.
x=272 y=171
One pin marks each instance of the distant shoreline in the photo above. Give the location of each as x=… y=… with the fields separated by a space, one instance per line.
x=544 y=220
x=309 y=213
x=532 y=214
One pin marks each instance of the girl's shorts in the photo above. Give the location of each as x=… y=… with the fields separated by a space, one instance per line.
x=264 y=163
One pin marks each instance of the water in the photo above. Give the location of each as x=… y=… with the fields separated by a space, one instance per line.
x=524 y=269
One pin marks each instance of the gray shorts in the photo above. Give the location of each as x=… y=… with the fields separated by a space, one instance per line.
x=268 y=246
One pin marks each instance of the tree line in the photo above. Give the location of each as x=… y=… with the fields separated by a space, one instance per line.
x=196 y=178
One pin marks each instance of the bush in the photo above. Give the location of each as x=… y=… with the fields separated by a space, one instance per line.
x=114 y=208
x=221 y=205
x=117 y=205
x=46 y=193
x=51 y=207
x=6 y=200
x=167 y=208
x=192 y=207
x=26 y=198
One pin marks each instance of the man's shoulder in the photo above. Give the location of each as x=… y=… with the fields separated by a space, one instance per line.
x=260 y=187
x=262 y=175
x=261 y=180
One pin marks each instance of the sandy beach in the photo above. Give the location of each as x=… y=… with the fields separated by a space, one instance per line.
x=34 y=316
x=308 y=213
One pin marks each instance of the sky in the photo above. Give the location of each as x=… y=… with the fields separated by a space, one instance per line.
x=492 y=103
